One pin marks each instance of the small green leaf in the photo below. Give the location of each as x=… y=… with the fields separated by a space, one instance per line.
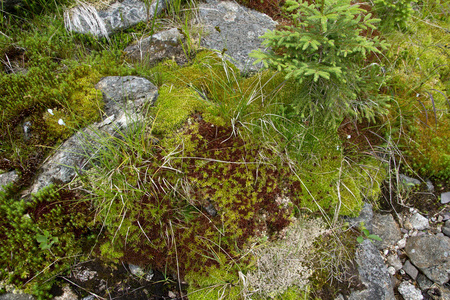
x=374 y=237
x=360 y=239
x=41 y=238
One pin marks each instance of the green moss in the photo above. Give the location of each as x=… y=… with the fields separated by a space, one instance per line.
x=21 y=223
x=173 y=107
x=216 y=283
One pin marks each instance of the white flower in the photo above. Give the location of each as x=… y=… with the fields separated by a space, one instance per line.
x=349 y=136
x=337 y=148
x=417 y=95
x=50 y=111
x=61 y=122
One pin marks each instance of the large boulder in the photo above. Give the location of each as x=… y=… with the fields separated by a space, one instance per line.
x=124 y=98
x=431 y=254
x=234 y=30
x=85 y=18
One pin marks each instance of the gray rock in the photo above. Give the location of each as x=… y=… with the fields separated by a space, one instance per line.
x=430 y=186
x=365 y=217
x=85 y=18
x=68 y=294
x=418 y=222
x=124 y=98
x=234 y=28
x=446 y=230
x=7 y=178
x=153 y=49
x=394 y=261
x=11 y=296
x=408 y=181
x=136 y=270
x=211 y=210
x=387 y=229
x=26 y=130
x=423 y=282
x=409 y=291
x=431 y=254
x=373 y=274
x=339 y=297
x=83 y=273
x=130 y=92
x=445 y=293
x=410 y=269
x=71 y=157
x=445 y=198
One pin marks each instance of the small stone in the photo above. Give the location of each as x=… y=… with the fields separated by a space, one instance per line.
x=402 y=243
x=409 y=291
x=433 y=219
x=424 y=282
x=402 y=272
x=445 y=198
x=171 y=295
x=419 y=222
x=408 y=181
x=395 y=262
x=440 y=219
x=211 y=210
x=430 y=186
x=410 y=269
x=391 y=270
x=446 y=231
x=339 y=297
x=149 y=275
x=136 y=270
x=27 y=130
x=68 y=294
x=386 y=252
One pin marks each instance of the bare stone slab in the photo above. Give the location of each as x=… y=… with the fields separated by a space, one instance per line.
x=234 y=30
